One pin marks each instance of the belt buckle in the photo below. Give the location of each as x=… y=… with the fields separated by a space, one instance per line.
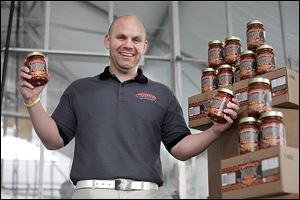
x=123 y=184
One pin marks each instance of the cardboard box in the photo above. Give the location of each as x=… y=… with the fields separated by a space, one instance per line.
x=285 y=196
x=227 y=146
x=198 y=109
x=285 y=87
x=266 y=172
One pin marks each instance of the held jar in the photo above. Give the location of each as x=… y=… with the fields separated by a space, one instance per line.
x=215 y=53
x=259 y=96
x=247 y=64
x=219 y=104
x=36 y=63
x=255 y=35
x=232 y=50
x=272 y=129
x=225 y=76
x=209 y=80
x=265 y=59
x=249 y=135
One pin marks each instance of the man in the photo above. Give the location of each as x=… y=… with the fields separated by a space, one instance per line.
x=119 y=118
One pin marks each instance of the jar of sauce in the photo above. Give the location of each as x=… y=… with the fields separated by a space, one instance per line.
x=249 y=134
x=209 y=80
x=259 y=96
x=255 y=35
x=265 y=59
x=219 y=104
x=272 y=129
x=247 y=64
x=215 y=53
x=225 y=76
x=232 y=50
x=237 y=74
x=36 y=63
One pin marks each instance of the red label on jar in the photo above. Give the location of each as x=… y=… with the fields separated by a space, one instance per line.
x=259 y=100
x=265 y=62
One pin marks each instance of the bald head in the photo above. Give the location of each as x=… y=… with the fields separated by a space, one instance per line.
x=130 y=20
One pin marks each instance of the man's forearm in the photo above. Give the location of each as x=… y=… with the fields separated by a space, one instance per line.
x=45 y=127
x=194 y=144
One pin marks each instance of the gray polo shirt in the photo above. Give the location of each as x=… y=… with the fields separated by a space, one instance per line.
x=119 y=126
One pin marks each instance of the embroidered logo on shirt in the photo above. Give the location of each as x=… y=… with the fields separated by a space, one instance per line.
x=147 y=96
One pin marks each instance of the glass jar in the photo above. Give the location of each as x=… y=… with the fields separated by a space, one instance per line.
x=225 y=76
x=215 y=53
x=249 y=134
x=36 y=63
x=255 y=35
x=265 y=59
x=209 y=80
x=219 y=104
x=272 y=129
x=237 y=74
x=247 y=64
x=259 y=96
x=232 y=50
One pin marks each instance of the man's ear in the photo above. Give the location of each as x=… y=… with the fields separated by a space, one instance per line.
x=145 y=47
x=106 y=41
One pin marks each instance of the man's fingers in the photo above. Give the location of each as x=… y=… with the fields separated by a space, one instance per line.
x=24 y=75
x=24 y=83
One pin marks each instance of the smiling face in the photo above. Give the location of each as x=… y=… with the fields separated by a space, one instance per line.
x=127 y=43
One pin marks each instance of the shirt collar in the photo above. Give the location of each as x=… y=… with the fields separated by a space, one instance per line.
x=140 y=78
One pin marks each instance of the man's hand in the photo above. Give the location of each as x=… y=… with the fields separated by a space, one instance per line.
x=28 y=91
x=230 y=115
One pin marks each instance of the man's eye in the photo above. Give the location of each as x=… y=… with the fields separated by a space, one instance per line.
x=121 y=37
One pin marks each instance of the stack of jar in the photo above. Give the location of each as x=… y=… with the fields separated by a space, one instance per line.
x=259 y=57
x=221 y=58
x=263 y=127
x=209 y=79
x=227 y=64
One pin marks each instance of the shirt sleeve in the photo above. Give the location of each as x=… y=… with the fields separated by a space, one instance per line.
x=64 y=116
x=174 y=127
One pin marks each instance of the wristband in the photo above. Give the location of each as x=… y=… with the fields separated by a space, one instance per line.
x=29 y=105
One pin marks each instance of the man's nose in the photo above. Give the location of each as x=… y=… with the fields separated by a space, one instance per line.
x=128 y=43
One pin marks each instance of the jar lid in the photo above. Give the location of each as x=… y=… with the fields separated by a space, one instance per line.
x=265 y=46
x=258 y=80
x=232 y=38
x=271 y=114
x=247 y=52
x=35 y=53
x=215 y=42
x=226 y=91
x=254 y=22
x=248 y=119
x=223 y=66
x=208 y=69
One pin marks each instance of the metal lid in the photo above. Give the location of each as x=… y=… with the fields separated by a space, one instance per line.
x=254 y=22
x=265 y=46
x=247 y=52
x=215 y=42
x=226 y=91
x=248 y=119
x=35 y=53
x=258 y=80
x=232 y=38
x=271 y=114
x=223 y=66
x=208 y=69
